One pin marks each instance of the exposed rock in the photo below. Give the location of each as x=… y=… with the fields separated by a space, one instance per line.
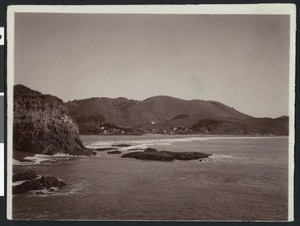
x=136 y=149
x=121 y=145
x=114 y=152
x=157 y=156
x=189 y=155
x=153 y=154
x=42 y=125
x=106 y=149
x=150 y=150
x=27 y=186
x=38 y=184
x=50 y=182
x=24 y=176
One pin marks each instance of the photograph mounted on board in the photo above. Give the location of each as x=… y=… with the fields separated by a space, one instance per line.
x=177 y=113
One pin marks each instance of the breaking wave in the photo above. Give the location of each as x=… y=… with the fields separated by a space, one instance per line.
x=144 y=143
x=221 y=158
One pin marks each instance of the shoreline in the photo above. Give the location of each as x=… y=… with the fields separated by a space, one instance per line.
x=21 y=156
x=181 y=135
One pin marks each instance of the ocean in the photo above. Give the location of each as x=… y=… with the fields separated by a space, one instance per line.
x=245 y=179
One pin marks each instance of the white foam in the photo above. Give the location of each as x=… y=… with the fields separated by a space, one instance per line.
x=57 y=191
x=221 y=158
x=19 y=163
x=164 y=141
x=61 y=155
x=31 y=161
x=38 y=158
x=18 y=182
x=98 y=144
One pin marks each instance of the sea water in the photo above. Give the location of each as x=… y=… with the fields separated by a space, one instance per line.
x=246 y=178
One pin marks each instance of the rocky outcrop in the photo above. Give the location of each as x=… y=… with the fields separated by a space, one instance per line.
x=105 y=149
x=113 y=152
x=156 y=156
x=42 y=125
x=38 y=184
x=150 y=150
x=24 y=176
x=121 y=145
x=167 y=156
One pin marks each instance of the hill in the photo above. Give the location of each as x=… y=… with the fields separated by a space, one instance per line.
x=165 y=114
x=125 y=112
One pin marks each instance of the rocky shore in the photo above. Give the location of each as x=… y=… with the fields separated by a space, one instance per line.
x=31 y=181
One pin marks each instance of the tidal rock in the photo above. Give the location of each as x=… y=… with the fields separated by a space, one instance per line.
x=150 y=150
x=24 y=176
x=42 y=125
x=121 y=145
x=189 y=155
x=106 y=149
x=165 y=155
x=113 y=152
x=136 y=149
x=38 y=184
x=157 y=156
x=50 y=182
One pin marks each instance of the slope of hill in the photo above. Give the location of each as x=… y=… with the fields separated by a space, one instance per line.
x=164 y=114
x=125 y=112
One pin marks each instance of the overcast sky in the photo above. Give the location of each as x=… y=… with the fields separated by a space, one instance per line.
x=239 y=60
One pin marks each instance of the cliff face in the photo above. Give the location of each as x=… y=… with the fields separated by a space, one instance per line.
x=42 y=125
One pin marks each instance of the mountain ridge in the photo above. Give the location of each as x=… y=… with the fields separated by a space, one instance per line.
x=166 y=114
x=116 y=116
x=125 y=112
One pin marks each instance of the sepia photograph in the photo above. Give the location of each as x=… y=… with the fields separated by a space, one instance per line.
x=156 y=113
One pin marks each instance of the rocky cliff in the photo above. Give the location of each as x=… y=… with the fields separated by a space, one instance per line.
x=41 y=125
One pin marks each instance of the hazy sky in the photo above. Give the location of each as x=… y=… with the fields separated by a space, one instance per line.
x=239 y=60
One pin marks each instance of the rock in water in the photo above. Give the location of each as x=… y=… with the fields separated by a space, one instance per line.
x=150 y=150
x=189 y=155
x=105 y=149
x=42 y=125
x=38 y=184
x=24 y=176
x=121 y=145
x=50 y=182
x=156 y=156
x=167 y=156
x=114 y=152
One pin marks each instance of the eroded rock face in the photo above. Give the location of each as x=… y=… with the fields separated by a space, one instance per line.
x=42 y=125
